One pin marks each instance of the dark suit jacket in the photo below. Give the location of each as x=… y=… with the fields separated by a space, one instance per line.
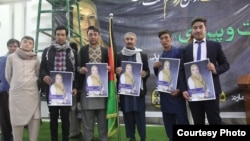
x=215 y=55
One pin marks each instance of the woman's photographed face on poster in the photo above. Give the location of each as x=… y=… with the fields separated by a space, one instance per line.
x=129 y=68
x=88 y=17
x=166 y=65
x=94 y=70
x=194 y=69
x=59 y=78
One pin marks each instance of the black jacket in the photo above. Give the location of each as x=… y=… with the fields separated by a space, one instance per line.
x=47 y=65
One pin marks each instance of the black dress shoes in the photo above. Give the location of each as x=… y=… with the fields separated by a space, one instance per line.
x=132 y=139
x=76 y=136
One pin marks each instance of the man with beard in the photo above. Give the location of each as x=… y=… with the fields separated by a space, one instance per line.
x=133 y=107
x=94 y=108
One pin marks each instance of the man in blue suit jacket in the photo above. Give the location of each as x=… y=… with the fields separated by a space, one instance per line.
x=218 y=64
x=5 y=123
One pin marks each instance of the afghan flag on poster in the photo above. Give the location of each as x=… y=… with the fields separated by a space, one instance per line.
x=112 y=112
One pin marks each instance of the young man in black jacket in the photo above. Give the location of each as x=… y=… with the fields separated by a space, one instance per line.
x=59 y=56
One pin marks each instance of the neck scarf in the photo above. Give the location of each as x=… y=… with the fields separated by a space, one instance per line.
x=60 y=89
x=166 y=75
x=199 y=82
x=96 y=80
x=129 y=52
x=65 y=47
x=26 y=55
x=129 y=79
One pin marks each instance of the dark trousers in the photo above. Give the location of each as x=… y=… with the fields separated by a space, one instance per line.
x=171 y=119
x=132 y=119
x=63 y=111
x=209 y=108
x=5 y=116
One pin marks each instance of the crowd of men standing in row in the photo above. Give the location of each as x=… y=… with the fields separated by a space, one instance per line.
x=21 y=68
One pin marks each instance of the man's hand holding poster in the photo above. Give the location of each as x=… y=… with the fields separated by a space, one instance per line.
x=61 y=88
x=199 y=80
x=130 y=78
x=168 y=75
x=97 y=80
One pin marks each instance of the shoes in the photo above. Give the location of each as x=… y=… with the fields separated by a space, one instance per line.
x=11 y=139
x=132 y=139
x=77 y=136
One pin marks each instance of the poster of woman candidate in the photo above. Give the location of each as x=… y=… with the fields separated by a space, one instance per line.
x=130 y=78
x=61 y=88
x=97 y=80
x=199 y=80
x=168 y=75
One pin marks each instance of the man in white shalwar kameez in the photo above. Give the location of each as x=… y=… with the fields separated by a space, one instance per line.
x=22 y=70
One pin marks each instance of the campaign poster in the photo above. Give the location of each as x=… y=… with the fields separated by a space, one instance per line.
x=199 y=80
x=168 y=75
x=130 y=78
x=97 y=80
x=60 y=91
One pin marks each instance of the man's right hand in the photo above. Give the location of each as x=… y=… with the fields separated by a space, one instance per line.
x=186 y=95
x=83 y=70
x=47 y=80
x=157 y=64
x=118 y=70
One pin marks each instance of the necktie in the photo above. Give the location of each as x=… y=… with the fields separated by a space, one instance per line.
x=199 y=50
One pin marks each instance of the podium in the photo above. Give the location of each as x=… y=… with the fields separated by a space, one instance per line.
x=244 y=86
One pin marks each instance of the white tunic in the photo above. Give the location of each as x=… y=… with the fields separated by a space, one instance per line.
x=24 y=99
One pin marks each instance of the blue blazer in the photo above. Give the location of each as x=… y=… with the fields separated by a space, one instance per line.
x=4 y=85
x=215 y=55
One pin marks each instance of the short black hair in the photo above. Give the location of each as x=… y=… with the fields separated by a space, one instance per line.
x=73 y=45
x=93 y=28
x=61 y=27
x=28 y=38
x=12 y=41
x=199 y=19
x=164 y=32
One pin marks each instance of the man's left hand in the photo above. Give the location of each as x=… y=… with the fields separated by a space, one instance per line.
x=74 y=92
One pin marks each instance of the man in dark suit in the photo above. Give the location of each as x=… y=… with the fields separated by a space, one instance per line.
x=133 y=107
x=92 y=108
x=218 y=64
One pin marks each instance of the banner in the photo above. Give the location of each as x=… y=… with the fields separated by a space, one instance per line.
x=228 y=22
